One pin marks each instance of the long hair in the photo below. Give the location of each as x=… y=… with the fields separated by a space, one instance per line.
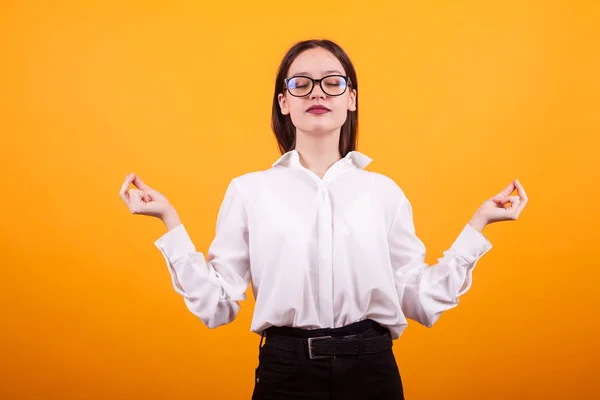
x=282 y=125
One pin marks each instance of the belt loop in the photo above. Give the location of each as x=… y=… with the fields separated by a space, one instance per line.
x=262 y=337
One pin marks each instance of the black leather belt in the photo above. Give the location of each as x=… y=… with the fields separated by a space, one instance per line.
x=323 y=347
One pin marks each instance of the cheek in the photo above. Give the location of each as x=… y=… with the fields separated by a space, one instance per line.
x=341 y=111
x=296 y=112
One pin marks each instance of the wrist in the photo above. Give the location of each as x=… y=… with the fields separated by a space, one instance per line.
x=171 y=219
x=478 y=222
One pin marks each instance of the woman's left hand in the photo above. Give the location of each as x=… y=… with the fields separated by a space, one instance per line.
x=502 y=207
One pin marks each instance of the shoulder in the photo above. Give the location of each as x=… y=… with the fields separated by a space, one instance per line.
x=253 y=178
x=386 y=186
x=249 y=184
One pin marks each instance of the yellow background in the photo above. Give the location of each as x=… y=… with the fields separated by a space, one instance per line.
x=456 y=99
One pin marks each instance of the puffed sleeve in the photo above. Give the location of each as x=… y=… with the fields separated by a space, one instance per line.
x=426 y=291
x=212 y=286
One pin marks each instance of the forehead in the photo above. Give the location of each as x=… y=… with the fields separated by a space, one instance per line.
x=315 y=62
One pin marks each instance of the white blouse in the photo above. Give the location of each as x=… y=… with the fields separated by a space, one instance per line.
x=319 y=252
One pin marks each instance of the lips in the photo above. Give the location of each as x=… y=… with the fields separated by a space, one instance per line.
x=317 y=109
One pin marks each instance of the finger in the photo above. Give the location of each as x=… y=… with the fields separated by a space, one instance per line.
x=125 y=187
x=515 y=208
x=521 y=191
x=141 y=185
x=513 y=200
x=524 y=198
x=143 y=197
x=507 y=190
x=136 y=203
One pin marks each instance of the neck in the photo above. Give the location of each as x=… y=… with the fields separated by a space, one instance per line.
x=318 y=152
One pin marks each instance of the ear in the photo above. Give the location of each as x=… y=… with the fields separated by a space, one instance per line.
x=283 y=104
x=352 y=100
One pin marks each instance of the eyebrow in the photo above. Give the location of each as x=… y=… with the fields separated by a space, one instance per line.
x=330 y=71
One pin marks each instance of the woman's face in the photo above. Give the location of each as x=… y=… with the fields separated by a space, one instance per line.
x=318 y=112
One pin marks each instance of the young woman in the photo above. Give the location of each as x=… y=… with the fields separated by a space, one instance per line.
x=330 y=248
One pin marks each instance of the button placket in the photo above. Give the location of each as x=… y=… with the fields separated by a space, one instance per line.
x=325 y=240
x=324 y=273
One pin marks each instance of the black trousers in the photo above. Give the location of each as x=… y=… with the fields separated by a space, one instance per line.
x=291 y=375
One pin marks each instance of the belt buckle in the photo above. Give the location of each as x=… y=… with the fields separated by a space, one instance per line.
x=310 y=351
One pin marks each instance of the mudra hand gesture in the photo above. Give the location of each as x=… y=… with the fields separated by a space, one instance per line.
x=144 y=200
x=502 y=207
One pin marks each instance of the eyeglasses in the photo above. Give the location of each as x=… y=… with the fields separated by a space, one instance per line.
x=331 y=85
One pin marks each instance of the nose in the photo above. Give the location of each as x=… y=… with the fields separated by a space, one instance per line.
x=317 y=92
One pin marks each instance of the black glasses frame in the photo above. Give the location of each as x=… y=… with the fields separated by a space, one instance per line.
x=319 y=81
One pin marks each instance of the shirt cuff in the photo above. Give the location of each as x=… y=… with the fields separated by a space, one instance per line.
x=175 y=244
x=471 y=244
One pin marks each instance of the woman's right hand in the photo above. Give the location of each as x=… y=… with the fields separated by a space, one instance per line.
x=144 y=200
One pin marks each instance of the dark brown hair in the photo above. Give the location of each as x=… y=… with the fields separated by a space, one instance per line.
x=282 y=126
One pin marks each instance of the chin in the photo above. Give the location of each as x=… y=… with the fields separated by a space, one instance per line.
x=319 y=129
x=319 y=126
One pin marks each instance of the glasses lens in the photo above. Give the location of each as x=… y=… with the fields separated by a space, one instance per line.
x=299 y=86
x=334 y=85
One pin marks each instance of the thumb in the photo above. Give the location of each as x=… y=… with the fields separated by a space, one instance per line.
x=499 y=197
x=138 y=183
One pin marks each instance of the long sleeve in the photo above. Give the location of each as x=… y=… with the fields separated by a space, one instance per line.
x=212 y=287
x=427 y=291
